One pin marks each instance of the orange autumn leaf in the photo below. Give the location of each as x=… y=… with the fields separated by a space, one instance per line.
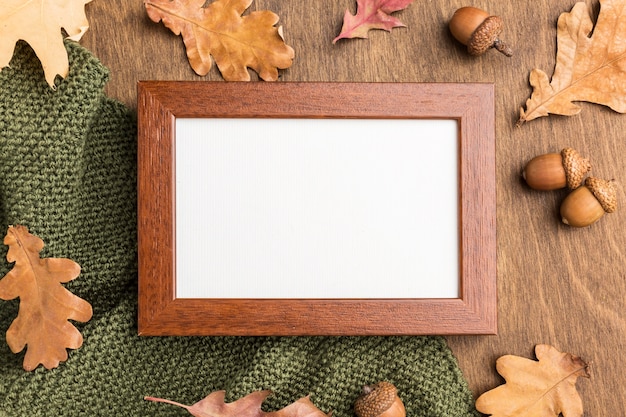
x=45 y=305
x=39 y=22
x=546 y=387
x=213 y=405
x=219 y=30
x=588 y=68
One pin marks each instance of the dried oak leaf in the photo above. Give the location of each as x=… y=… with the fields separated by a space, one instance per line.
x=45 y=305
x=39 y=22
x=213 y=405
x=371 y=14
x=218 y=29
x=546 y=387
x=588 y=68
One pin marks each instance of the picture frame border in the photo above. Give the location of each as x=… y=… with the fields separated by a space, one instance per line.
x=160 y=313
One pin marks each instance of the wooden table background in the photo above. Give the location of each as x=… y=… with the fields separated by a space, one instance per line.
x=556 y=285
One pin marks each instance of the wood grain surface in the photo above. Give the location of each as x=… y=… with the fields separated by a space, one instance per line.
x=556 y=285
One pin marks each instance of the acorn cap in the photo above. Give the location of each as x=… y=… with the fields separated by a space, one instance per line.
x=576 y=167
x=604 y=191
x=375 y=399
x=485 y=35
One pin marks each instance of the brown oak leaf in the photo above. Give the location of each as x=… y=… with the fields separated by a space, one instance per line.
x=213 y=405
x=588 y=68
x=371 y=14
x=45 y=305
x=219 y=30
x=39 y=22
x=546 y=387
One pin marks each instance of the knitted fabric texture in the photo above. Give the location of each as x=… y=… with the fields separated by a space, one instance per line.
x=68 y=173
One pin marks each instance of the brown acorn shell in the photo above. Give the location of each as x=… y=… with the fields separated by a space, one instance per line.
x=545 y=172
x=379 y=400
x=553 y=171
x=465 y=21
x=581 y=208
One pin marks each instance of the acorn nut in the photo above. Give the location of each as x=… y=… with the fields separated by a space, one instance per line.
x=379 y=400
x=553 y=171
x=588 y=203
x=478 y=30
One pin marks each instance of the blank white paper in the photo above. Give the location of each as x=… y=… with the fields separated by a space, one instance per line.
x=316 y=208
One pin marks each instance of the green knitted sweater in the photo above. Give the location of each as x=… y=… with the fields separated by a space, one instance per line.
x=67 y=172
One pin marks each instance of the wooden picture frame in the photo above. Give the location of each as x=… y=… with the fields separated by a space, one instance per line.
x=161 y=312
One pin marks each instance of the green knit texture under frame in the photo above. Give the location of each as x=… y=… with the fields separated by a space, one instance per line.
x=68 y=173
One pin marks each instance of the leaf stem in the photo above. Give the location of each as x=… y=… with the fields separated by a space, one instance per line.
x=163 y=400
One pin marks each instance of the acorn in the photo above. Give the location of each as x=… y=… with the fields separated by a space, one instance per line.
x=588 y=203
x=553 y=171
x=478 y=30
x=379 y=400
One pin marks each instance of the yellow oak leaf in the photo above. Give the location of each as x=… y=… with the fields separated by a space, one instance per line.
x=39 y=22
x=545 y=388
x=45 y=305
x=218 y=29
x=588 y=68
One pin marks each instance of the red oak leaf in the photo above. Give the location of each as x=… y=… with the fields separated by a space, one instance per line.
x=213 y=405
x=371 y=14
